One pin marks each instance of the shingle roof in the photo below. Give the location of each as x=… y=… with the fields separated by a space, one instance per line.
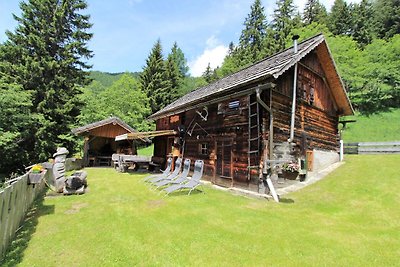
x=273 y=66
x=113 y=120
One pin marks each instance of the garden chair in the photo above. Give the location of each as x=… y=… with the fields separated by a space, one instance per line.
x=192 y=183
x=177 y=170
x=179 y=179
x=164 y=173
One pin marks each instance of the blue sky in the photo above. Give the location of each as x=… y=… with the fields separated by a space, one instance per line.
x=125 y=30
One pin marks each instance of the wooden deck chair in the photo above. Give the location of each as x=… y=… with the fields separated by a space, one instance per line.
x=179 y=179
x=177 y=170
x=192 y=183
x=164 y=173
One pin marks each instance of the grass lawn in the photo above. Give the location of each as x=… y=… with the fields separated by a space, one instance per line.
x=351 y=218
x=146 y=151
x=384 y=126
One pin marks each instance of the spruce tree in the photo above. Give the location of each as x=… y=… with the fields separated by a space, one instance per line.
x=363 y=23
x=387 y=18
x=340 y=20
x=208 y=74
x=314 y=11
x=179 y=58
x=231 y=48
x=251 y=38
x=45 y=55
x=177 y=69
x=175 y=78
x=283 y=21
x=154 y=81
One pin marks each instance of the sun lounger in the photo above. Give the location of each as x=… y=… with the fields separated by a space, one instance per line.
x=164 y=173
x=177 y=170
x=192 y=183
x=179 y=179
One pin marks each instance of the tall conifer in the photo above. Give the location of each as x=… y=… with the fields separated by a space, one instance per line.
x=46 y=56
x=340 y=20
x=283 y=21
x=362 y=30
x=387 y=18
x=314 y=11
x=154 y=80
x=251 y=38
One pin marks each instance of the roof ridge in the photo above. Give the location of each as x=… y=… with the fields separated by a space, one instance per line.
x=234 y=79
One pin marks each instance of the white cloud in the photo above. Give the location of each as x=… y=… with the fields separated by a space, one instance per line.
x=214 y=53
x=327 y=3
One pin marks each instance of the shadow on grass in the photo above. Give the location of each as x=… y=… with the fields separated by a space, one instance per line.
x=286 y=200
x=185 y=192
x=15 y=252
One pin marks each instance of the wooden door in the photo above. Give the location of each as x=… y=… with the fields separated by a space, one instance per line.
x=224 y=158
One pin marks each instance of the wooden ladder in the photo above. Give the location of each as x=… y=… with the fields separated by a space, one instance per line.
x=253 y=153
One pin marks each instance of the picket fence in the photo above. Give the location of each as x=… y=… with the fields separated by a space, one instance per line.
x=372 y=148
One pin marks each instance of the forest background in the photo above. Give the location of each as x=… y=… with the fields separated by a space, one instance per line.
x=47 y=87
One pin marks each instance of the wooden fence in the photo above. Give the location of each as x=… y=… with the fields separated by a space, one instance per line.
x=15 y=200
x=372 y=148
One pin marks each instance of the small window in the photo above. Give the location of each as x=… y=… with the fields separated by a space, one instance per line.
x=311 y=95
x=204 y=149
x=234 y=104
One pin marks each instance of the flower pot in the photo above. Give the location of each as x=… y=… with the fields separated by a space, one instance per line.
x=35 y=178
x=290 y=175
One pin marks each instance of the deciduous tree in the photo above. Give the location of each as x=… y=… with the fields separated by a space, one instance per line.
x=46 y=56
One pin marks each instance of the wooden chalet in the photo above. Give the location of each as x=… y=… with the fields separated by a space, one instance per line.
x=100 y=141
x=241 y=124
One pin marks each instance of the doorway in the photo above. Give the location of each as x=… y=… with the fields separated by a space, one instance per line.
x=224 y=167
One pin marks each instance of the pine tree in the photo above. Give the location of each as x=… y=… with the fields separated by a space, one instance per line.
x=314 y=11
x=387 y=18
x=231 y=48
x=153 y=80
x=251 y=38
x=283 y=21
x=45 y=56
x=179 y=58
x=340 y=20
x=207 y=74
x=363 y=23
x=175 y=78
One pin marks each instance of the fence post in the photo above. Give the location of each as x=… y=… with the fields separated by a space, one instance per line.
x=341 y=152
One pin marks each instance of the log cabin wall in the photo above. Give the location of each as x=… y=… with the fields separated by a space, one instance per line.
x=316 y=121
x=222 y=140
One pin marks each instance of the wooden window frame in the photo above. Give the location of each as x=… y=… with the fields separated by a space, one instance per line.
x=204 y=151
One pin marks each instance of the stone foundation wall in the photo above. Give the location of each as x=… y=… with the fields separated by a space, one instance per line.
x=323 y=159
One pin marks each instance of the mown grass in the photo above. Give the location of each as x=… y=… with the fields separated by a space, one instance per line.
x=146 y=151
x=384 y=126
x=351 y=218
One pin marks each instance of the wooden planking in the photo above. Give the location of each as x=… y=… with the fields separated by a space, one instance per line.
x=319 y=126
x=5 y=220
x=108 y=131
x=372 y=148
x=379 y=144
x=15 y=200
x=315 y=122
x=334 y=80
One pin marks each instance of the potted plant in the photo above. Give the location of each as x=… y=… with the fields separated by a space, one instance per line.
x=290 y=170
x=36 y=174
